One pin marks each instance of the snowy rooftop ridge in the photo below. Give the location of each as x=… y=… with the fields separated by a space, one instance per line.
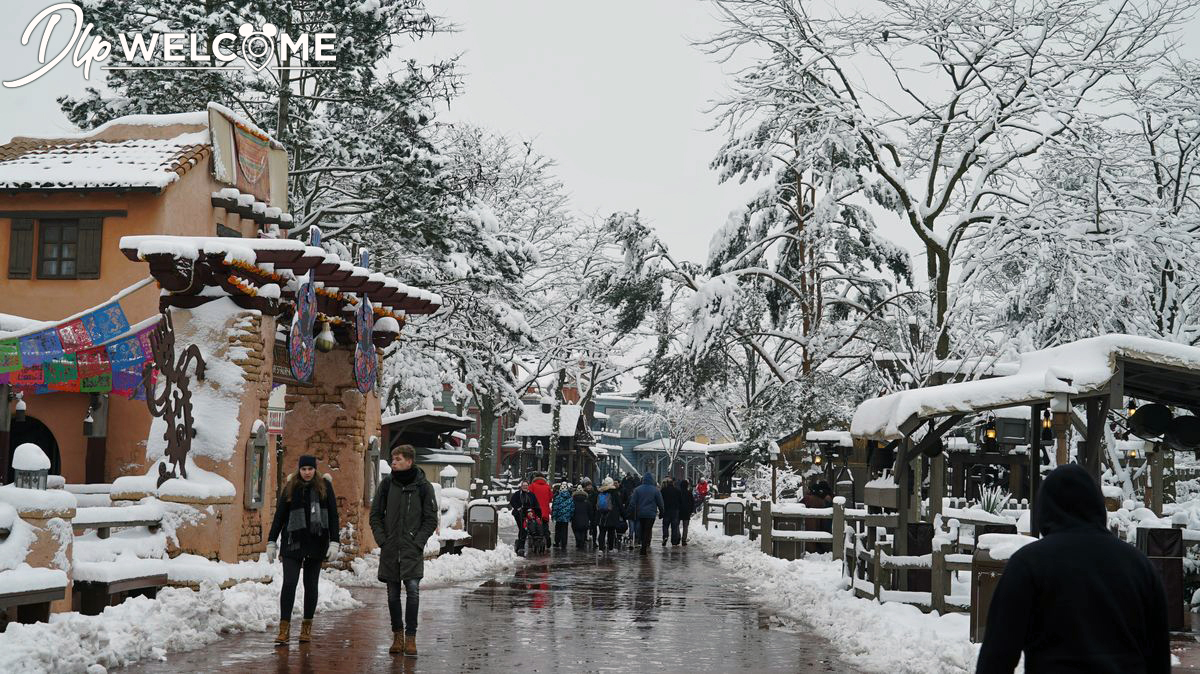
x=416 y=414
x=1078 y=368
x=535 y=423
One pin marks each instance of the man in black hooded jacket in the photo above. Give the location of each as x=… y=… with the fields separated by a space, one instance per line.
x=1079 y=599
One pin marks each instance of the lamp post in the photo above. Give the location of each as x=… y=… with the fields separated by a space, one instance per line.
x=30 y=467
x=773 y=452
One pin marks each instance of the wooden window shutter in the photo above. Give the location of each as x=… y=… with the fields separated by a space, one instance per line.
x=20 y=248
x=90 y=236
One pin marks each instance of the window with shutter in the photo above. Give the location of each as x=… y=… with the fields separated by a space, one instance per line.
x=90 y=237
x=20 y=248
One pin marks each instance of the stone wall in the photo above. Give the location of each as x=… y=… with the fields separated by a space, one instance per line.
x=332 y=421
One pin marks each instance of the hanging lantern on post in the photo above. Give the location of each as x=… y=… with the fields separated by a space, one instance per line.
x=19 y=413
x=1130 y=408
x=325 y=341
x=1047 y=427
x=989 y=431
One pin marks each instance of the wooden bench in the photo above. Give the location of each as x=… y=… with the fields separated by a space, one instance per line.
x=31 y=604
x=105 y=519
x=102 y=584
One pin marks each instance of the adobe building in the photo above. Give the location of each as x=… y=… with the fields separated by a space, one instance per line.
x=180 y=220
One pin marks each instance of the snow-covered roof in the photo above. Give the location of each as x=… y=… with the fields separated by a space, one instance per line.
x=840 y=438
x=982 y=367
x=1078 y=368
x=600 y=416
x=417 y=414
x=535 y=423
x=94 y=162
x=689 y=446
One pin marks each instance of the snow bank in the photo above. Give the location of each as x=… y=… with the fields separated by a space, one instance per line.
x=870 y=636
x=14 y=549
x=145 y=629
x=445 y=570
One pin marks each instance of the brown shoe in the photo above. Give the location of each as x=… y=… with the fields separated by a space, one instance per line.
x=410 y=644
x=285 y=628
x=397 y=643
x=305 y=631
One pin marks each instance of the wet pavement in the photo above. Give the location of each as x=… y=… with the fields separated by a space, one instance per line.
x=673 y=610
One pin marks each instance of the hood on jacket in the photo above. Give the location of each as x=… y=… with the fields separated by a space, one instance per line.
x=607 y=487
x=539 y=479
x=1069 y=499
x=648 y=479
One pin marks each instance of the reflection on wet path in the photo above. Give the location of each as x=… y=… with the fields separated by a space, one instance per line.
x=673 y=610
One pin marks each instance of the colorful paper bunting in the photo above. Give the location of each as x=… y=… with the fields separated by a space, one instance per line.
x=74 y=336
x=39 y=347
x=10 y=355
x=105 y=323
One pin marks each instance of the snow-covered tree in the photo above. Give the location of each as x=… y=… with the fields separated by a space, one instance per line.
x=948 y=101
x=675 y=423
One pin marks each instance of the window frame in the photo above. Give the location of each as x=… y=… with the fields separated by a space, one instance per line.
x=61 y=224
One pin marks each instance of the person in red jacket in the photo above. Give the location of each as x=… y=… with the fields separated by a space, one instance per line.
x=542 y=492
x=702 y=490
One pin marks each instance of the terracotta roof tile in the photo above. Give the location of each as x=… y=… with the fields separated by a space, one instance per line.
x=93 y=164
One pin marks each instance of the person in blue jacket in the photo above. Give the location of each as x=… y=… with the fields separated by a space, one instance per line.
x=646 y=505
x=562 y=508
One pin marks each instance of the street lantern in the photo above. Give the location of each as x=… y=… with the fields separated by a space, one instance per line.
x=448 y=476
x=1130 y=408
x=1047 y=426
x=30 y=467
x=989 y=429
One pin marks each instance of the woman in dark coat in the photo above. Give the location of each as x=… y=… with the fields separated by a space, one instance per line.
x=609 y=509
x=687 y=507
x=581 y=519
x=306 y=522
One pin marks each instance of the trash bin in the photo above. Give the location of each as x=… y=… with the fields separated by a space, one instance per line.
x=735 y=518
x=1164 y=547
x=482 y=526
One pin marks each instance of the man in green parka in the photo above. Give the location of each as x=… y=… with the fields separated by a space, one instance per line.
x=404 y=515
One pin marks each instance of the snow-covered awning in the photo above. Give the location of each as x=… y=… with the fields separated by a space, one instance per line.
x=460 y=459
x=1148 y=368
x=689 y=446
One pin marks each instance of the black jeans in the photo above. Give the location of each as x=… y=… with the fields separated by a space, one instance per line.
x=291 y=575
x=683 y=524
x=560 y=535
x=581 y=536
x=608 y=538
x=645 y=530
x=670 y=525
x=405 y=615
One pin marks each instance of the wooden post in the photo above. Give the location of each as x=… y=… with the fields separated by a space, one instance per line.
x=903 y=500
x=1035 y=461
x=704 y=515
x=1097 y=410
x=937 y=484
x=839 y=527
x=918 y=479
x=1062 y=426
x=877 y=571
x=939 y=587
x=766 y=526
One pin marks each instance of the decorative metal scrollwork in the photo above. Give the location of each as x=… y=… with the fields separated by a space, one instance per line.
x=174 y=403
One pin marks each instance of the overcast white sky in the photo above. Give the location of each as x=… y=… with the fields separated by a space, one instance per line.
x=613 y=91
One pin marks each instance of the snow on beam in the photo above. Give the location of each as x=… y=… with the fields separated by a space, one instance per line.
x=1078 y=369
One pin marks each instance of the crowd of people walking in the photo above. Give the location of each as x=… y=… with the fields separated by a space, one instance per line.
x=613 y=516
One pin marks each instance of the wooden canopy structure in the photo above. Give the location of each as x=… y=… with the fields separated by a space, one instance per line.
x=246 y=269
x=1096 y=373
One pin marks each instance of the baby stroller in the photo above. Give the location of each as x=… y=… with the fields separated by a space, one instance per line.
x=537 y=534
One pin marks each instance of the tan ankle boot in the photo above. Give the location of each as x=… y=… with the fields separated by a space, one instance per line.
x=397 y=643
x=305 y=631
x=285 y=628
x=410 y=644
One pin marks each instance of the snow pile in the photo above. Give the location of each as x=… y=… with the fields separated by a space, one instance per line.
x=1002 y=546
x=25 y=578
x=871 y=636
x=125 y=566
x=144 y=629
x=29 y=456
x=194 y=570
x=200 y=484
x=445 y=570
x=216 y=401
x=52 y=502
